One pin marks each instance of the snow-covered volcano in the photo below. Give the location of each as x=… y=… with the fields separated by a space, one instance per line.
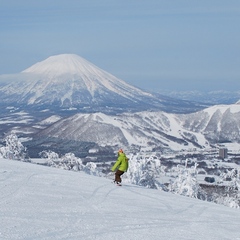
x=68 y=80
x=80 y=74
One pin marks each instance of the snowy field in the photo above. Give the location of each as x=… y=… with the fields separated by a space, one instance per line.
x=39 y=202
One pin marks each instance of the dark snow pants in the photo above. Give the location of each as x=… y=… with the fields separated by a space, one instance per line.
x=118 y=175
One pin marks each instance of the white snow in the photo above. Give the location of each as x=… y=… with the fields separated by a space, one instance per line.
x=76 y=70
x=40 y=202
x=232 y=147
x=153 y=120
x=61 y=64
x=18 y=117
x=233 y=108
x=51 y=119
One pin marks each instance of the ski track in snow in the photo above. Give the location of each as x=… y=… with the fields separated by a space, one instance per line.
x=40 y=202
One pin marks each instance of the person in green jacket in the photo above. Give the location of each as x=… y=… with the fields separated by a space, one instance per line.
x=121 y=165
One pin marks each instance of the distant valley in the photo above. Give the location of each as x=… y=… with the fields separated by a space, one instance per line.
x=67 y=104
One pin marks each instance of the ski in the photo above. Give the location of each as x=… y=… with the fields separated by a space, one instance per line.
x=117 y=184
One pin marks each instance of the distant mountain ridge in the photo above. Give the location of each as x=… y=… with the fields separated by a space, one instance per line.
x=152 y=130
x=69 y=81
x=146 y=130
x=219 y=123
x=68 y=98
x=211 y=97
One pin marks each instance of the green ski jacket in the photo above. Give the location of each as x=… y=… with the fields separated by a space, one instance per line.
x=121 y=163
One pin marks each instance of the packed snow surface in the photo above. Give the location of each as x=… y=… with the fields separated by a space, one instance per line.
x=40 y=202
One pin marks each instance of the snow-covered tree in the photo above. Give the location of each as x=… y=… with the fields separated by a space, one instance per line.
x=231 y=195
x=144 y=170
x=14 y=148
x=92 y=169
x=186 y=182
x=70 y=162
x=52 y=158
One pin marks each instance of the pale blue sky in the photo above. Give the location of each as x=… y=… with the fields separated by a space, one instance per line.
x=152 y=44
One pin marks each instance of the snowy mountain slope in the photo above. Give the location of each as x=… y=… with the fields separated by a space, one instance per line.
x=67 y=80
x=92 y=78
x=219 y=123
x=50 y=120
x=144 y=129
x=152 y=130
x=48 y=203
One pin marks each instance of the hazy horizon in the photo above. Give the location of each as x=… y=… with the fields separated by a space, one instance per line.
x=154 y=45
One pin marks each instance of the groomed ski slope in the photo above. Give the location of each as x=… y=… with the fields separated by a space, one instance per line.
x=40 y=202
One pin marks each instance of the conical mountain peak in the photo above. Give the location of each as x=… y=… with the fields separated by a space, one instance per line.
x=63 y=64
x=68 y=80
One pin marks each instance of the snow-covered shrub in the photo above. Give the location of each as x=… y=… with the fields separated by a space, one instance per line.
x=92 y=169
x=231 y=195
x=14 y=148
x=186 y=182
x=51 y=157
x=144 y=171
x=227 y=200
x=70 y=162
